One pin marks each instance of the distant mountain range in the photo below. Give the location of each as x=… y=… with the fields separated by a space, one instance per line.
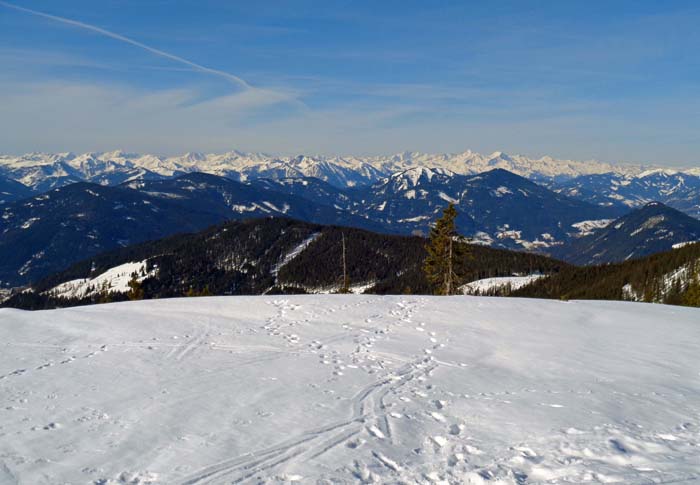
x=41 y=171
x=45 y=233
x=680 y=190
x=651 y=229
x=600 y=183
x=58 y=208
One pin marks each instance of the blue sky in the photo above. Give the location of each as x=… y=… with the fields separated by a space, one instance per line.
x=615 y=81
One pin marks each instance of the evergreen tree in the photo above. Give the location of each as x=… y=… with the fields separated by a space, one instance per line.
x=105 y=295
x=204 y=292
x=444 y=254
x=135 y=289
x=692 y=294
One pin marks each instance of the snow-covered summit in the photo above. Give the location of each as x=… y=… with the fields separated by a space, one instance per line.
x=413 y=177
x=34 y=168
x=658 y=171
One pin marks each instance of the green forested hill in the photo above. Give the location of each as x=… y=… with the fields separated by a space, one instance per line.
x=663 y=278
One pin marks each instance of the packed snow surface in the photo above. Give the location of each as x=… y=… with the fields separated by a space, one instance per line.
x=351 y=389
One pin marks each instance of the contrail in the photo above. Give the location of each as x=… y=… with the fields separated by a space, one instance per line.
x=230 y=77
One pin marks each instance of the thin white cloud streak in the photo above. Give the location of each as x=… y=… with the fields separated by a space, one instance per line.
x=91 y=115
x=207 y=70
x=68 y=116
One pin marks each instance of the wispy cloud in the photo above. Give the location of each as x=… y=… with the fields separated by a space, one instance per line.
x=199 y=67
x=83 y=116
x=570 y=81
x=27 y=59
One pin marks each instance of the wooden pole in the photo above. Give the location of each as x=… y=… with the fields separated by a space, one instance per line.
x=345 y=269
x=449 y=270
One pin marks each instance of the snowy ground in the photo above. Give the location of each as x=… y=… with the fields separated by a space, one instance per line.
x=343 y=389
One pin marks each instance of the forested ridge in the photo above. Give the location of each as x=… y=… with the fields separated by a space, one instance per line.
x=285 y=256
x=662 y=278
x=244 y=258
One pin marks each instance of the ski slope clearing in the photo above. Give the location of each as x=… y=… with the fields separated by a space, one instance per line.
x=350 y=389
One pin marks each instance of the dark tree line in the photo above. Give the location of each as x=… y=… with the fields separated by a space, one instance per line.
x=647 y=279
x=238 y=258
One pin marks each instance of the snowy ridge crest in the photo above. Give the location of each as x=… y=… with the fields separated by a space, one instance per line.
x=342 y=171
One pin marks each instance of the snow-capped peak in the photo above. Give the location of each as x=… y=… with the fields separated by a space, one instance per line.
x=34 y=169
x=657 y=171
x=414 y=176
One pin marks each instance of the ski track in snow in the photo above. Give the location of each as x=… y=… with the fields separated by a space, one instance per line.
x=350 y=389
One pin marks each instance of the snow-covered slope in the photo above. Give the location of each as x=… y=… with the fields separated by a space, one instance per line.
x=350 y=389
x=586 y=228
x=486 y=285
x=115 y=280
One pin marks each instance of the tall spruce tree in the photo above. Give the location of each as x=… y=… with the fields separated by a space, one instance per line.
x=445 y=256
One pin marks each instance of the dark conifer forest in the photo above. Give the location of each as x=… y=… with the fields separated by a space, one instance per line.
x=245 y=258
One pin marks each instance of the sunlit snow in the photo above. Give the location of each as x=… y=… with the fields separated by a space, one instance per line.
x=350 y=389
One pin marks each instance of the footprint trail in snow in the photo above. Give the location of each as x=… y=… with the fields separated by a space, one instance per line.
x=323 y=389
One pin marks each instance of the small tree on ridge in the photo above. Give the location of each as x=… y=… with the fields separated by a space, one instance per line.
x=444 y=254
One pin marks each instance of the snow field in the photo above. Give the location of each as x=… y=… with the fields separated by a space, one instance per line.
x=348 y=389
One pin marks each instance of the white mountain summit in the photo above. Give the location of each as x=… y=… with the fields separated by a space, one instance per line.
x=46 y=170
